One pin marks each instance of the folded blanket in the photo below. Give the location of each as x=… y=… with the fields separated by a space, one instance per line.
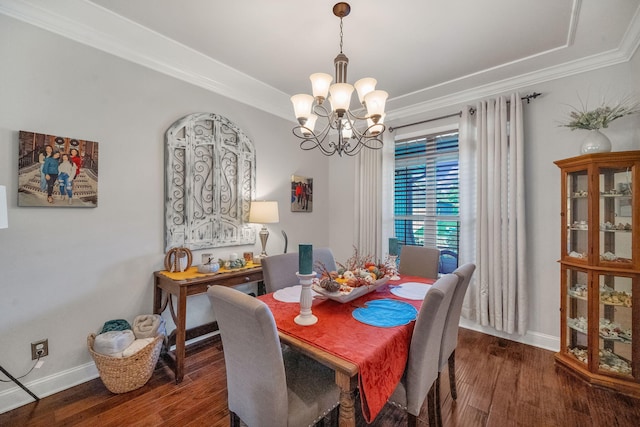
x=136 y=346
x=148 y=326
x=115 y=325
x=113 y=343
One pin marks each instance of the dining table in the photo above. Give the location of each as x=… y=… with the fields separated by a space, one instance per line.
x=367 y=349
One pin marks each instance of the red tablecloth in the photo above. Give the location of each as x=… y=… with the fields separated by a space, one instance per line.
x=380 y=353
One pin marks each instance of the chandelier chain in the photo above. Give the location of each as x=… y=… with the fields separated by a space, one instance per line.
x=340 y=35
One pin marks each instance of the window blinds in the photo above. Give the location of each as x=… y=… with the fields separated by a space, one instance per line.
x=426 y=203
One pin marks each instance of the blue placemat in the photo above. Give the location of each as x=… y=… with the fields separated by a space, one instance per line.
x=385 y=313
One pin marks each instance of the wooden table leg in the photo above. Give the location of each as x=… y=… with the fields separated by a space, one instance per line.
x=347 y=386
x=157 y=296
x=181 y=335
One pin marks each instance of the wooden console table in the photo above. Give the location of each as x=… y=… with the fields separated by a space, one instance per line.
x=165 y=287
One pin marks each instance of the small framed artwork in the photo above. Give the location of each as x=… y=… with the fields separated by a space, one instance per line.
x=56 y=171
x=301 y=194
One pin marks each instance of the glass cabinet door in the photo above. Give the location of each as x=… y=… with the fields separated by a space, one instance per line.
x=577 y=310
x=615 y=328
x=577 y=215
x=615 y=217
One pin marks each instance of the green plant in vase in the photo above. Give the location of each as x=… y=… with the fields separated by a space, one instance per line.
x=599 y=118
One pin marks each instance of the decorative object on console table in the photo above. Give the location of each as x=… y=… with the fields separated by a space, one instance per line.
x=208 y=264
x=178 y=259
x=263 y=212
x=594 y=120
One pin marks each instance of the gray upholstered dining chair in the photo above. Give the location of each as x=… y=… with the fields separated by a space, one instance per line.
x=279 y=271
x=419 y=261
x=450 y=334
x=324 y=256
x=266 y=387
x=418 y=380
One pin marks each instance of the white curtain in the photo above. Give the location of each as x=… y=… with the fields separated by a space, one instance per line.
x=368 y=213
x=493 y=213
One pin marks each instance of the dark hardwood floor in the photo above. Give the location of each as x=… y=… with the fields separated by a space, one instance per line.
x=500 y=383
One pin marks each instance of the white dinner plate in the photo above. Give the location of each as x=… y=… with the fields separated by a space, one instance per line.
x=411 y=290
x=291 y=294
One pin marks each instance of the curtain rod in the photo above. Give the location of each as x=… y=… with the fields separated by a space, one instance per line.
x=472 y=110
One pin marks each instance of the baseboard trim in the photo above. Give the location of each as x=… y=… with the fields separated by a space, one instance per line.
x=536 y=339
x=15 y=397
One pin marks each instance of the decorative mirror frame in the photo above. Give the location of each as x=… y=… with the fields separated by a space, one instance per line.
x=209 y=183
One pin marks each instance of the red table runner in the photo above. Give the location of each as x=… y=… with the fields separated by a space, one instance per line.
x=380 y=353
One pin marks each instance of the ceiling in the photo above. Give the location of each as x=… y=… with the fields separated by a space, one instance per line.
x=425 y=53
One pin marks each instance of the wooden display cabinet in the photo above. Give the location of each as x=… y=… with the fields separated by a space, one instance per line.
x=600 y=269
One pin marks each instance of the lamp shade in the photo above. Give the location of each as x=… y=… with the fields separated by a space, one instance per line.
x=264 y=212
x=4 y=217
x=340 y=97
x=302 y=104
x=320 y=83
x=309 y=125
x=376 y=101
x=364 y=86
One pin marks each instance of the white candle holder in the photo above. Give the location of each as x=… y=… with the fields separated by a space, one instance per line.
x=306 y=318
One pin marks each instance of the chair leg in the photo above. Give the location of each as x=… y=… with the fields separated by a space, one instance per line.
x=431 y=407
x=437 y=401
x=234 y=420
x=452 y=375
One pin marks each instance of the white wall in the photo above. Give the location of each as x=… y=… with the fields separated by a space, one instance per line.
x=64 y=272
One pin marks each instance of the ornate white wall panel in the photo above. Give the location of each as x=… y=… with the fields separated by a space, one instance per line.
x=210 y=181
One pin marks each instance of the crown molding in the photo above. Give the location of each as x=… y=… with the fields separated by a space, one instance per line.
x=583 y=65
x=628 y=46
x=92 y=25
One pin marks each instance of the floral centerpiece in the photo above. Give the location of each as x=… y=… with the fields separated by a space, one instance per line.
x=599 y=118
x=356 y=272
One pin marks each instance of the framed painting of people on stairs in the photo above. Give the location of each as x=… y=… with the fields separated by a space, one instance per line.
x=56 y=171
x=301 y=194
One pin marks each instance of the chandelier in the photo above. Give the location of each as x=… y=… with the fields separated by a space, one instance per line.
x=352 y=129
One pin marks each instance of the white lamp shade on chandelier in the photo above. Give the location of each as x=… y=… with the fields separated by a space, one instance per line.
x=353 y=129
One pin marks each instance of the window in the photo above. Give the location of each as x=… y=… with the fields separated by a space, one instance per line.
x=426 y=203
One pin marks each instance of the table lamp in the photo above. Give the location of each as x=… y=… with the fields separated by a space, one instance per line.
x=4 y=217
x=264 y=212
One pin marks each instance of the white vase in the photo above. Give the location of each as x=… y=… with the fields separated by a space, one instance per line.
x=596 y=142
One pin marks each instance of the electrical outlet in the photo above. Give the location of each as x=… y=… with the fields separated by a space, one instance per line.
x=39 y=349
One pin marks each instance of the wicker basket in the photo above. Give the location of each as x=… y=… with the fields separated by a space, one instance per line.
x=123 y=374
